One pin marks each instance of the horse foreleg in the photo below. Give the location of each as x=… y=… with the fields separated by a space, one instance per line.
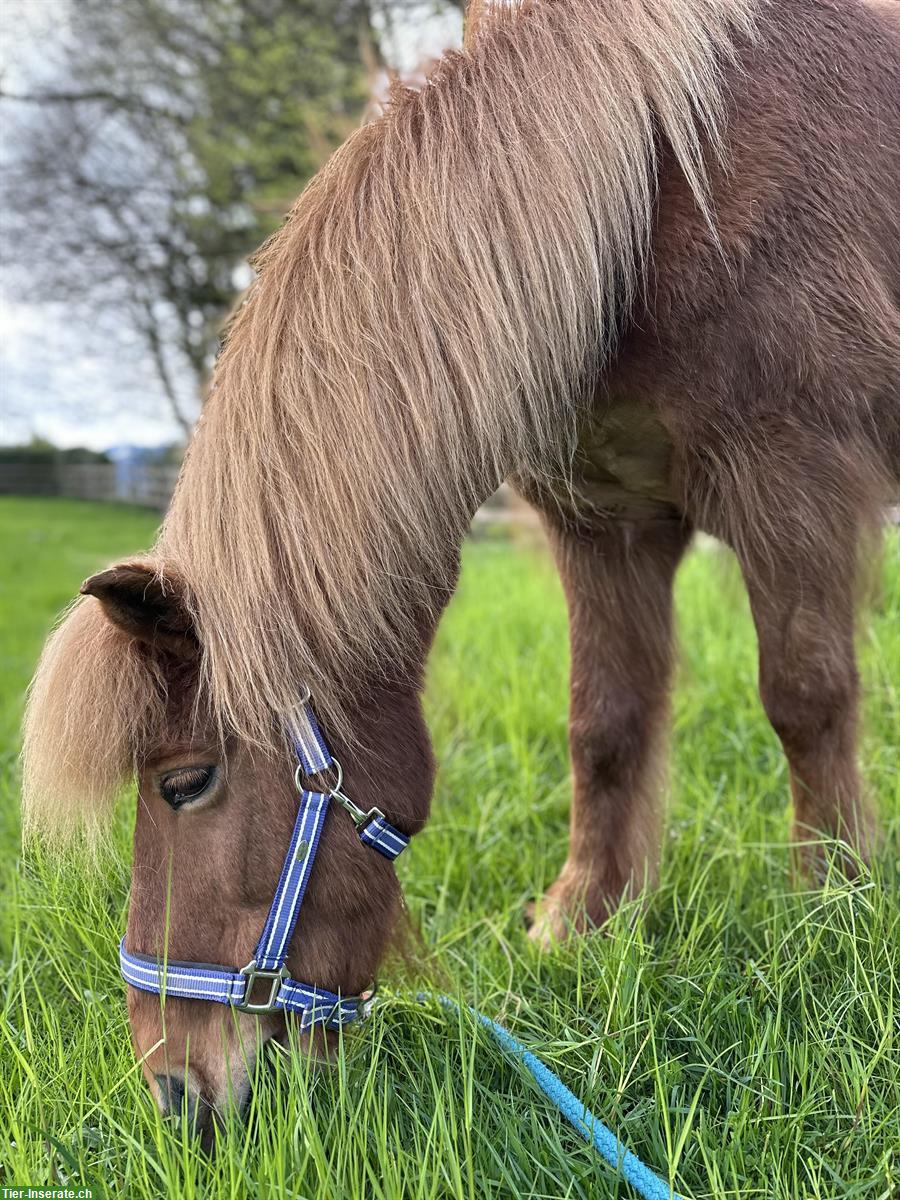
x=809 y=687
x=618 y=580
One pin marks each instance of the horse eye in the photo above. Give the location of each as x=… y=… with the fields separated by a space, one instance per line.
x=187 y=783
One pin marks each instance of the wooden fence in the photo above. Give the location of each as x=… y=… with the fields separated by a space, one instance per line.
x=144 y=484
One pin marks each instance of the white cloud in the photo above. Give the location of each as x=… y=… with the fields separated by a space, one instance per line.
x=51 y=385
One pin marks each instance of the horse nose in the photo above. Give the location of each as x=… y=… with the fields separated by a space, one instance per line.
x=171 y=1093
x=177 y=1096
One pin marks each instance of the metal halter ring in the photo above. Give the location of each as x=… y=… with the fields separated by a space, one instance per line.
x=360 y=817
x=300 y=776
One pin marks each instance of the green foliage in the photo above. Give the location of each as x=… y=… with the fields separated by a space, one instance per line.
x=280 y=87
x=738 y=1030
x=283 y=92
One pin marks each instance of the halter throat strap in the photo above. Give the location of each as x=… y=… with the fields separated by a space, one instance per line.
x=225 y=985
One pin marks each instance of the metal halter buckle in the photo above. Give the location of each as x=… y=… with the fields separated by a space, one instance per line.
x=360 y=817
x=251 y=972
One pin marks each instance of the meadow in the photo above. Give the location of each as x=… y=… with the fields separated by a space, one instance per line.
x=738 y=1030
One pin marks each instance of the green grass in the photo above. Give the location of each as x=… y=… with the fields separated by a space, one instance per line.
x=739 y=1031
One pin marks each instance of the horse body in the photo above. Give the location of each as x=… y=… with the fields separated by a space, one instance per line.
x=788 y=312
x=674 y=307
x=756 y=397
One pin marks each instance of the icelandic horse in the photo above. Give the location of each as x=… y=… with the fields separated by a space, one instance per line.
x=642 y=257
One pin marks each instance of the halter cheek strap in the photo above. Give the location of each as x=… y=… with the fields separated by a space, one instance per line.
x=315 y=1006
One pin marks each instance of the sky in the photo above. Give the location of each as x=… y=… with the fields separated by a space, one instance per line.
x=61 y=378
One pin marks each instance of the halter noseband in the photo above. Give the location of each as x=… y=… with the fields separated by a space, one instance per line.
x=316 y=1006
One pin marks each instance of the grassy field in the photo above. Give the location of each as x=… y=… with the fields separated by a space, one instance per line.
x=739 y=1032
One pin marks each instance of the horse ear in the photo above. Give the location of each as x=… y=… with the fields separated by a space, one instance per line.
x=146 y=604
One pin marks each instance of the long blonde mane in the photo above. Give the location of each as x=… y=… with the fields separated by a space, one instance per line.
x=95 y=700
x=428 y=321
x=477 y=12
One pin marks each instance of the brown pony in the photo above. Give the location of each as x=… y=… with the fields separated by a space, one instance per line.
x=641 y=256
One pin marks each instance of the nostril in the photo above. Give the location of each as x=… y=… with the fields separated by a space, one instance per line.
x=177 y=1098
x=171 y=1093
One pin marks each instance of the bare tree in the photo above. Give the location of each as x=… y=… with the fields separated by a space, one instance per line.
x=163 y=144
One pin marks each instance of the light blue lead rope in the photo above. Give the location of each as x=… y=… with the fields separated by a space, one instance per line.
x=644 y=1181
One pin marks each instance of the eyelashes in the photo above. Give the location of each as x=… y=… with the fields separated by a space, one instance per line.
x=185 y=784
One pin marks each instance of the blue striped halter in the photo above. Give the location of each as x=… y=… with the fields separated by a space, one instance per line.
x=315 y=1006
